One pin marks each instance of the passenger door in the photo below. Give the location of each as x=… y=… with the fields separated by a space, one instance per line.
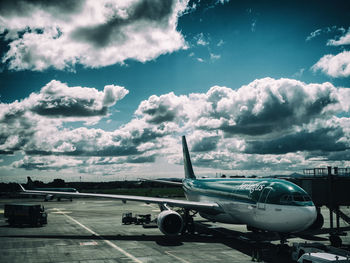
x=262 y=199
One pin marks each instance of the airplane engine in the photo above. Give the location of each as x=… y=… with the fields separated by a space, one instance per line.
x=169 y=222
x=318 y=223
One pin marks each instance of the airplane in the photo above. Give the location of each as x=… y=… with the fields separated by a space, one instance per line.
x=48 y=197
x=273 y=205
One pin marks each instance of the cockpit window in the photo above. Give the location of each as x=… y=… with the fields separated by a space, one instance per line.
x=294 y=198
x=286 y=193
x=307 y=198
x=298 y=198
x=285 y=199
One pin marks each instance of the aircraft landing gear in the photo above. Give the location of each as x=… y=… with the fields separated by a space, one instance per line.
x=257 y=255
x=188 y=222
x=283 y=247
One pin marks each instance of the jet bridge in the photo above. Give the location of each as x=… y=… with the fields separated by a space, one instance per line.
x=328 y=187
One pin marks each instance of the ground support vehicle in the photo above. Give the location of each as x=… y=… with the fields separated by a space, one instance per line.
x=143 y=219
x=318 y=251
x=128 y=219
x=25 y=214
x=322 y=257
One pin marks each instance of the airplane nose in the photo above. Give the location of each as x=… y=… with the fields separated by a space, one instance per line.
x=307 y=215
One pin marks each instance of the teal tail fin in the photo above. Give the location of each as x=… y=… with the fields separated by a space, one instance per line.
x=187 y=160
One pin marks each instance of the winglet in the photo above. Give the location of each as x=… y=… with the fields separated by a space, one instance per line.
x=187 y=160
x=22 y=188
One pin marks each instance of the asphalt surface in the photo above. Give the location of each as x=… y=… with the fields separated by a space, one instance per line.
x=90 y=230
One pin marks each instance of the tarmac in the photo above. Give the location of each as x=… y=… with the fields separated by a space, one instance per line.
x=90 y=230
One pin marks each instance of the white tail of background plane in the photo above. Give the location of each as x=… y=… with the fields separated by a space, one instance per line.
x=187 y=160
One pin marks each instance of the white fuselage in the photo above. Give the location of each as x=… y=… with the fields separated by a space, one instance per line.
x=270 y=217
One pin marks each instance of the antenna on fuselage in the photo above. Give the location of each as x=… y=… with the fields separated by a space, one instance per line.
x=187 y=160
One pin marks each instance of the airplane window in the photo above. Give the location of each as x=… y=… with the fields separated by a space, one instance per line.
x=307 y=198
x=298 y=198
x=286 y=199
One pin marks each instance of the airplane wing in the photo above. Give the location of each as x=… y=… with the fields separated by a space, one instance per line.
x=207 y=207
x=162 y=181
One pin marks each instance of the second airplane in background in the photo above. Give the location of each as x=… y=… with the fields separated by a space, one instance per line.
x=30 y=185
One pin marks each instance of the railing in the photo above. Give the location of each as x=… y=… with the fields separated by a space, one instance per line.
x=327 y=171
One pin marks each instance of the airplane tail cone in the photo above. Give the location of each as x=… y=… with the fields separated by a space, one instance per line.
x=187 y=160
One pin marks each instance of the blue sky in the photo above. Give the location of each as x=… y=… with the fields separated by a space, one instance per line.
x=105 y=90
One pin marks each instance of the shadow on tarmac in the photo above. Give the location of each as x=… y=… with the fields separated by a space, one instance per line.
x=268 y=251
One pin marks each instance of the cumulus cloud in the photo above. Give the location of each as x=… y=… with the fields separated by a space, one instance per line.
x=264 y=106
x=16 y=127
x=161 y=109
x=56 y=99
x=268 y=123
x=323 y=139
x=265 y=117
x=47 y=163
x=39 y=117
x=87 y=32
x=334 y=65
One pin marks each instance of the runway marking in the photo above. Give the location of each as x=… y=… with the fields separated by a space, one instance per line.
x=61 y=212
x=91 y=243
x=106 y=241
x=58 y=211
x=178 y=258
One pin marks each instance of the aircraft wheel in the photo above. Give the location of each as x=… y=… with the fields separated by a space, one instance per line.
x=335 y=241
x=283 y=249
x=191 y=228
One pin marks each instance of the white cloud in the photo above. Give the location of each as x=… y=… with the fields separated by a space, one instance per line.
x=222 y=2
x=214 y=56
x=56 y=99
x=334 y=65
x=314 y=34
x=88 y=32
x=325 y=30
x=261 y=126
x=253 y=25
x=34 y=123
x=343 y=40
x=264 y=107
x=220 y=43
x=47 y=163
x=201 y=40
x=299 y=73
